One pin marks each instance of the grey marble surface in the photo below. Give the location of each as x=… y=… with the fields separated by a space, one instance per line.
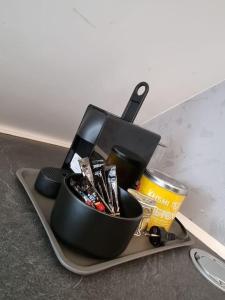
x=30 y=270
x=194 y=135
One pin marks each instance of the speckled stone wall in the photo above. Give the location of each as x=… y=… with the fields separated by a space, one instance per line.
x=194 y=133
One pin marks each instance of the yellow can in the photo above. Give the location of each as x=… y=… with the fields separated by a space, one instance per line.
x=168 y=194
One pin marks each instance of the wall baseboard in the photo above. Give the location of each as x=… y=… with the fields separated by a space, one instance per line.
x=34 y=136
x=202 y=235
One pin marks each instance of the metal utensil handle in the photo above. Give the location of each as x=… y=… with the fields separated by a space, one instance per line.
x=135 y=102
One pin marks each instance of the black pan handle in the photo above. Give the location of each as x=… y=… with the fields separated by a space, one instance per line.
x=135 y=102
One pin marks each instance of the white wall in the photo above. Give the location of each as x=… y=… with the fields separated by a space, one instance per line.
x=56 y=57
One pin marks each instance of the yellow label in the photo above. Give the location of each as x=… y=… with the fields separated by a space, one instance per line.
x=167 y=203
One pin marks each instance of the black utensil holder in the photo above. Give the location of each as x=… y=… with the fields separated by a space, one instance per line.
x=91 y=231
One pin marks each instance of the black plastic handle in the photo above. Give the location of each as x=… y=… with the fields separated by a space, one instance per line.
x=135 y=102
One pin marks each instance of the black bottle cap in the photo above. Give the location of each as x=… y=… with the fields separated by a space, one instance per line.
x=49 y=181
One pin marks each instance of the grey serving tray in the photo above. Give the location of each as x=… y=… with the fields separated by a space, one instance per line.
x=73 y=259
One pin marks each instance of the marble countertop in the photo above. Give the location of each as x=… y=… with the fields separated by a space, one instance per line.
x=30 y=270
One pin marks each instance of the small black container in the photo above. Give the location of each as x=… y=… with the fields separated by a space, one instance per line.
x=49 y=181
x=91 y=231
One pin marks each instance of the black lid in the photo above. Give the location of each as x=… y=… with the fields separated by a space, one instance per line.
x=128 y=155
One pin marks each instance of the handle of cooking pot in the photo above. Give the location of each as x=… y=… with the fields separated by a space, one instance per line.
x=136 y=100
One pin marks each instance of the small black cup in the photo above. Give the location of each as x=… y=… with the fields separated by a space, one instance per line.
x=91 y=231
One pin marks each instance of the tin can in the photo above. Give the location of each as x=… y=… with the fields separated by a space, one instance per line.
x=168 y=193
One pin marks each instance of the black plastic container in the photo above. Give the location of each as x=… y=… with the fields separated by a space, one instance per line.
x=49 y=181
x=91 y=231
